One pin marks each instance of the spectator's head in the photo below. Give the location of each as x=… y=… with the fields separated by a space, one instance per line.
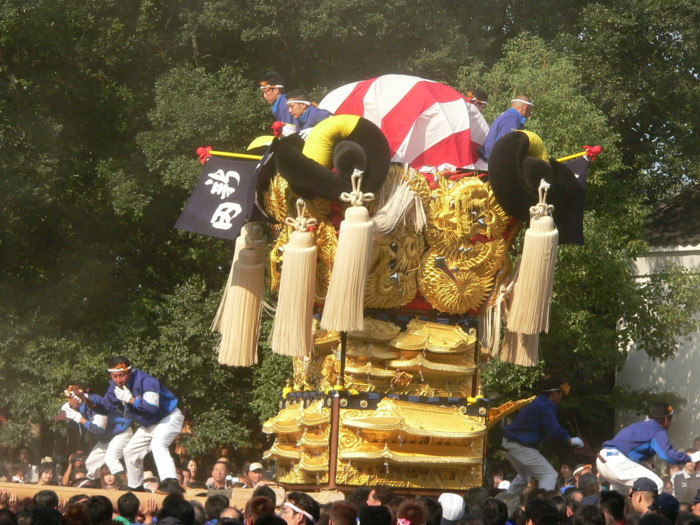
x=654 y=519
x=588 y=483
x=375 y=515
x=46 y=498
x=272 y=519
x=119 y=369
x=667 y=505
x=452 y=508
x=613 y=505
x=661 y=413
x=588 y=515
x=175 y=506
x=256 y=472
x=264 y=490
x=256 y=507
x=494 y=511
x=77 y=498
x=414 y=511
x=46 y=516
x=200 y=517
x=7 y=517
x=380 y=495
x=231 y=516
x=642 y=495
x=219 y=472
x=272 y=86
x=128 y=506
x=580 y=470
x=300 y=509
x=99 y=510
x=169 y=486
x=359 y=496
x=541 y=512
x=342 y=513
x=214 y=504
x=687 y=518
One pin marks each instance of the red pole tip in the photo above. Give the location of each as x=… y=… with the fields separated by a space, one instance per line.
x=204 y=154
x=593 y=151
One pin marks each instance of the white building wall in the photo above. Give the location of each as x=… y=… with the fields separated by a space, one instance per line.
x=681 y=374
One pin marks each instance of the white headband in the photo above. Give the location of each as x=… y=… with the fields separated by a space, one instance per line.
x=297 y=509
x=527 y=103
x=289 y=102
x=279 y=86
x=112 y=370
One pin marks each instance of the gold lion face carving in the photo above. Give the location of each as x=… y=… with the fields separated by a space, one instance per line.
x=392 y=280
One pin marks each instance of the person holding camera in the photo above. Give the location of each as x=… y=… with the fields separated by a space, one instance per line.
x=219 y=476
x=154 y=407
x=111 y=430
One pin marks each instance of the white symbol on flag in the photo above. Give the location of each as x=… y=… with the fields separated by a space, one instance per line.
x=219 y=182
x=224 y=214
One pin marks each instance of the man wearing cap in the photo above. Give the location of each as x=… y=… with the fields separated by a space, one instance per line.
x=154 y=407
x=304 y=112
x=300 y=509
x=695 y=506
x=534 y=424
x=642 y=495
x=256 y=474
x=667 y=505
x=112 y=432
x=514 y=118
x=620 y=460
x=452 y=508
x=272 y=88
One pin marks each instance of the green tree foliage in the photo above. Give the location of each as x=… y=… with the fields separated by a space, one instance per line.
x=103 y=104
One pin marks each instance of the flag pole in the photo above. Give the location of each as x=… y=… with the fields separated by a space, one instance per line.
x=237 y=155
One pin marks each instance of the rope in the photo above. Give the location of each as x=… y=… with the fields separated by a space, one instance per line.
x=301 y=223
x=356 y=197
x=542 y=209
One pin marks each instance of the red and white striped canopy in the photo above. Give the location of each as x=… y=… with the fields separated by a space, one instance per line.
x=428 y=125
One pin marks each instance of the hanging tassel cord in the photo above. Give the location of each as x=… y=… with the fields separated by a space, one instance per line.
x=356 y=197
x=301 y=223
x=542 y=209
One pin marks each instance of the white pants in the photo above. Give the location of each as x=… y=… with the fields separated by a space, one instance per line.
x=622 y=472
x=156 y=438
x=529 y=463
x=108 y=453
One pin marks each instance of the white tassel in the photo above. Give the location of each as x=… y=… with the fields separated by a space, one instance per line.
x=292 y=332
x=239 y=322
x=254 y=231
x=520 y=349
x=533 y=290
x=343 y=310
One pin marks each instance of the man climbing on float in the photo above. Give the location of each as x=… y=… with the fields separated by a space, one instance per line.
x=534 y=424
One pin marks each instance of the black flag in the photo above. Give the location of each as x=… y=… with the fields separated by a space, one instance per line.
x=223 y=199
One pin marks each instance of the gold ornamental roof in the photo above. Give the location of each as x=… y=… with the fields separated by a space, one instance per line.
x=295 y=416
x=424 y=365
x=414 y=419
x=282 y=452
x=314 y=464
x=412 y=454
x=434 y=337
x=314 y=439
x=370 y=370
x=376 y=330
x=365 y=349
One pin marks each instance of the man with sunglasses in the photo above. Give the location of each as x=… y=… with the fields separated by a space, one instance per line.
x=621 y=459
x=534 y=424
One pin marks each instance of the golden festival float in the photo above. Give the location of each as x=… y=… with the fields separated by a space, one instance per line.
x=394 y=285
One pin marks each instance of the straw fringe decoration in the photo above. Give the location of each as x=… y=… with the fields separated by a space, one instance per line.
x=533 y=290
x=292 y=332
x=343 y=310
x=399 y=205
x=239 y=318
